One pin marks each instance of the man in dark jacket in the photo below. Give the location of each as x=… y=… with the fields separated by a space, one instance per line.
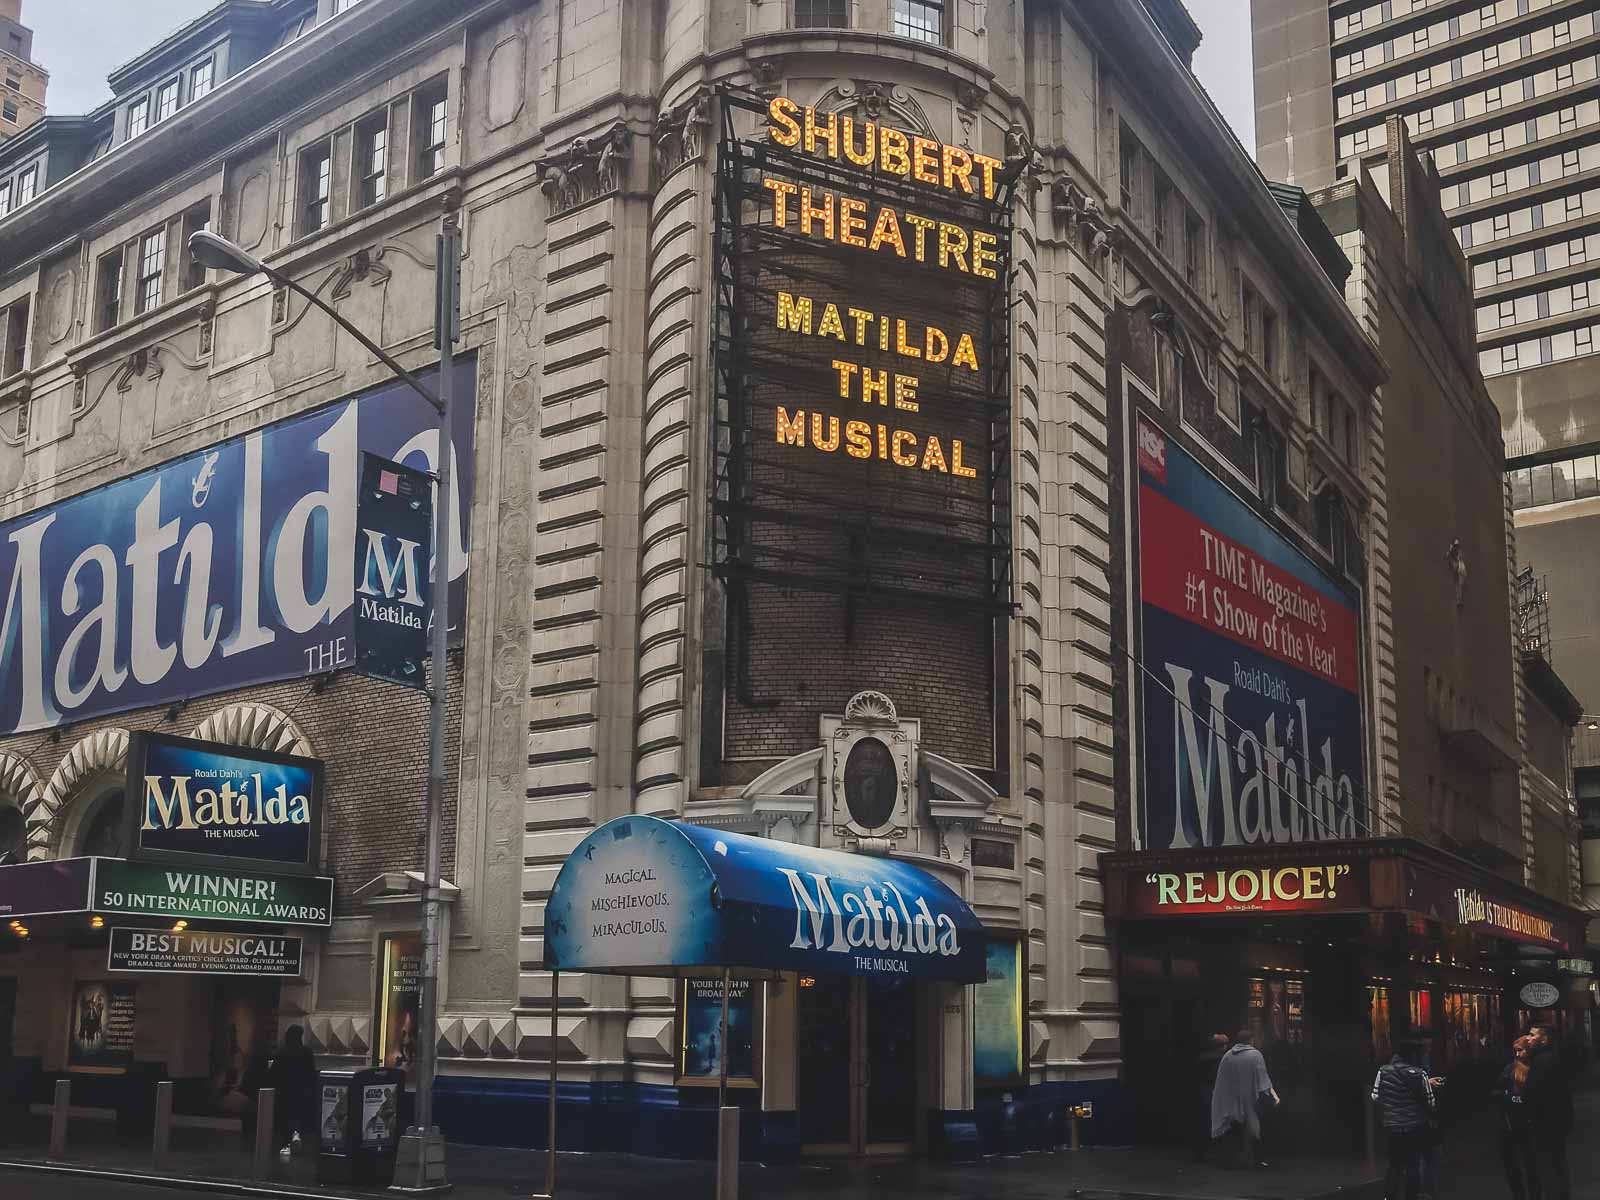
x=1548 y=1099
x=293 y=1076
x=1404 y=1098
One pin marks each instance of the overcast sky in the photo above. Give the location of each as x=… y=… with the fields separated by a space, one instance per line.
x=81 y=41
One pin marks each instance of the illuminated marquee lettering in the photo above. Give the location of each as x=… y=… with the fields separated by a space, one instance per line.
x=866 y=439
x=798 y=314
x=1248 y=888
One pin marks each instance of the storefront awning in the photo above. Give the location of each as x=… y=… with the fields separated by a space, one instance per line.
x=643 y=896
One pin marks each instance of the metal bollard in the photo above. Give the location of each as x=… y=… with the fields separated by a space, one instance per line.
x=1077 y=1133
x=58 y=1118
x=728 y=1153
x=163 y=1139
x=261 y=1164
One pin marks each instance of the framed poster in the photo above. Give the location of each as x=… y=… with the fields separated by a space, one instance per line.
x=700 y=1033
x=100 y=1027
x=399 y=998
x=999 y=1053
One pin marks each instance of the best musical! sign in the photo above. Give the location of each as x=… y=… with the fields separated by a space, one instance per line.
x=863 y=363
x=1251 y=680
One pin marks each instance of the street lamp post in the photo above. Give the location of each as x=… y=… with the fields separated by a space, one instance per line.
x=421 y=1166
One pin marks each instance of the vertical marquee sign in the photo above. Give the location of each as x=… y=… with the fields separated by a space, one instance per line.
x=863 y=412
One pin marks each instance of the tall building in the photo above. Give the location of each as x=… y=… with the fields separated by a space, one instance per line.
x=22 y=97
x=1504 y=98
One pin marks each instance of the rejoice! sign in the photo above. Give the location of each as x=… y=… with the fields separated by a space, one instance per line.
x=1320 y=887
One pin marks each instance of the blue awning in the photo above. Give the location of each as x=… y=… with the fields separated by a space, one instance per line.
x=643 y=896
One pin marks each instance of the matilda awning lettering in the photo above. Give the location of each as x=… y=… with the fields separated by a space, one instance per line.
x=644 y=896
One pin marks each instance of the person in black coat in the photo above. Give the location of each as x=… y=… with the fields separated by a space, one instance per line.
x=1517 y=1152
x=1548 y=1096
x=293 y=1077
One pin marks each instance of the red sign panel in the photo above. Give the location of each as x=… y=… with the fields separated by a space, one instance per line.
x=1309 y=888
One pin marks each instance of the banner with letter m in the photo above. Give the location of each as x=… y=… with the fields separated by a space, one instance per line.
x=394 y=610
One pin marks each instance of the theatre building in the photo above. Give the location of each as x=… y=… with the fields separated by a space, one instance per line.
x=1344 y=744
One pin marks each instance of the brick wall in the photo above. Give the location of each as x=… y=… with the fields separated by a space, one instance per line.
x=373 y=738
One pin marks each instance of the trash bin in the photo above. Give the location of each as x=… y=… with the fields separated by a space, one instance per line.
x=360 y=1122
x=379 y=1092
x=334 y=1164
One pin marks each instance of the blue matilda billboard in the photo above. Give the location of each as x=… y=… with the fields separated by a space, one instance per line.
x=644 y=896
x=194 y=801
x=229 y=566
x=1251 y=683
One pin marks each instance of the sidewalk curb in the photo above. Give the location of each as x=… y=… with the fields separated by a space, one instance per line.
x=225 y=1187
x=1361 y=1191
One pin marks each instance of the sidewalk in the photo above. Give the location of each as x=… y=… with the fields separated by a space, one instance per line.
x=212 y=1160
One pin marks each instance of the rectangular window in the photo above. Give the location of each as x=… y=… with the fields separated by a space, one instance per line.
x=1425 y=120
x=1162 y=204
x=138 y=117
x=316 y=191
x=1128 y=151
x=1194 y=249
x=1580 y=294
x=1585 y=339
x=1249 y=310
x=1269 y=342
x=108 y=291
x=1358 y=101
x=1543 y=485
x=432 y=125
x=8 y=110
x=1352 y=437
x=1498 y=183
x=1491 y=56
x=372 y=159
x=822 y=14
x=1567 y=119
x=27 y=185
x=16 y=337
x=196 y=219
x=1564 y=75
x=152 y=263
x=166 y=100
x=1574 y=206
x=1492 y=99
x=14 y=82
x=1497 y=140
x=340 y=6
x=922 y=20
x=1563 y=32
x=200 y=80
x=5 y=197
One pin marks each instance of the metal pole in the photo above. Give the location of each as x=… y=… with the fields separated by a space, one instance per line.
x=555 y=1078
x=163 y=1137
x=58 y=1118
x=261 y=1161
x=727 y=1118
x=722 y=1047
x=427 y=1145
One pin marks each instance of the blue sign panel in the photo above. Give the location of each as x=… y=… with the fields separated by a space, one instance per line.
x=230 y=566
x=1251 y=680
x=641 y=895
x=190 y=801
x=394 y=528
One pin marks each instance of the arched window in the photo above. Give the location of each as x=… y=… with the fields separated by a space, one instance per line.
x=101 y=829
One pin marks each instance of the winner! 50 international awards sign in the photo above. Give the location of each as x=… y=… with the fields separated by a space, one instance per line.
x=1251 y=679
x=862 y=358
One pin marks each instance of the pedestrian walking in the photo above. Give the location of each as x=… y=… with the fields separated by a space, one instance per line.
x=1516 y=1131
x=294 y=1079
x=1403 y=1093
x=1243 y=1089
x=1548 y=1097
x=1206 y=1085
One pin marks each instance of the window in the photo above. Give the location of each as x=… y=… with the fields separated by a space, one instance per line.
x=1497 y=140
x=16 y=355
x=1159 y=218
x=1564 y=75
x=922 y=20
x=340 y=6
x=138 y=117
x=1563 y=32
x=316 y=195
x=1577 y=250
x=1491 y=56
x=1250 y=312
x=108 y=291
x=1194 y=250
x=295 y=28
x=196 y=219
x=152 y=262
x=822 y=14
x=1493 y=98
x=166 y=100
x=432 y=125
x=27 y=185
x=1567 y=119
x=5 y=197
x=372 y=159
x=1425 y=120
x=1352 y=443
x=200 y=80
x=13 y=81
x=1128 y=150
x=1269 y=342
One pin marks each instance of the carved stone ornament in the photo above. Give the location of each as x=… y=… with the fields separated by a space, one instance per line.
x=766 y=76
x=683 y=132
x=588 y=168
x=869 y=768
x=208 y=317
x=888 y=104
x=1085 y=222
